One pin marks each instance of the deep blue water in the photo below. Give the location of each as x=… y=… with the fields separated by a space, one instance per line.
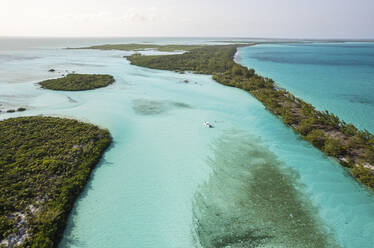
x=338 y=77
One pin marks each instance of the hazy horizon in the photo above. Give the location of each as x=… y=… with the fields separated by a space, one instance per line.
x=292 y=19
x=187 y=37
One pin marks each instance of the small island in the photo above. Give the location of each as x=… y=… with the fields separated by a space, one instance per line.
x=20 y=109
x=144 y=47
x=44 y=164
x=77 y=82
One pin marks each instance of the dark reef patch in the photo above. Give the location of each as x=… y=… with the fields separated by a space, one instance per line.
x=180 y=104
x=7 y=58
x=153 y=107
x=355 y=98
x=252 y=200
x=71 y=100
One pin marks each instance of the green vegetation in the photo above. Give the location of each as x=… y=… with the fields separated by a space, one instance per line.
x=235 y=42
x=353 y=148
x=44 y=164
x=20 y=109
x=75 y=82
x=142 y=47
x=206 y=60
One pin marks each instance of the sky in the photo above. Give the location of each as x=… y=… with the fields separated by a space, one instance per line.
x=352 y=19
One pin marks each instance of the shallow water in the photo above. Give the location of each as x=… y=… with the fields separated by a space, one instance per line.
x=256 y=200
x=143 y=193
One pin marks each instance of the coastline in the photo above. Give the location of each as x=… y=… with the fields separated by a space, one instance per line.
x=349 y=145
x=340 y=159
x=362 y=167
x=77 y=231
x=54 y=182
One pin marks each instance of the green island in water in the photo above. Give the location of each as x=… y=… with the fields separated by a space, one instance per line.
x=44 y=164
x=141 y=47
x=353 y=148
x=77 y=82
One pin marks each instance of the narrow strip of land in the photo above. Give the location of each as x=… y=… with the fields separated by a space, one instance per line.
x=353 y=148
x=142 y=47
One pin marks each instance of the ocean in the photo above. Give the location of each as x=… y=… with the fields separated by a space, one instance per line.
x=167 y=181
x=338 y=77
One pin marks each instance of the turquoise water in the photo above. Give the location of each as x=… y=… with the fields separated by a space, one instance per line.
x=337 y=77
x=167 y=181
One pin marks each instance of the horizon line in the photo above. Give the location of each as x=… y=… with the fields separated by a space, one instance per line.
x=190 y=37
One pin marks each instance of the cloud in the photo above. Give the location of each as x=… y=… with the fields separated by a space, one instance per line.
x=134 y=15
x=101 y=15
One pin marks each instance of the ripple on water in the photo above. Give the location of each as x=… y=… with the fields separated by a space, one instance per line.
x=252 y=200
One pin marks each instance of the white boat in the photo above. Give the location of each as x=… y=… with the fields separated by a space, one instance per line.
x=207 y=124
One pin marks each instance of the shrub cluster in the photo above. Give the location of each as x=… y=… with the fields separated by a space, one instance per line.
x=75 y=82
x=44 y=164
